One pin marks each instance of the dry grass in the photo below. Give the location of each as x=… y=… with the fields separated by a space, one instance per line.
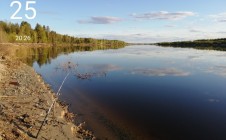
x=7 y=50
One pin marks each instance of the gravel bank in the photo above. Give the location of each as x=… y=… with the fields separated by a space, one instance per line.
x=24 y=100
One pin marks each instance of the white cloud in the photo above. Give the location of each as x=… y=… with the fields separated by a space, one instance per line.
x=101 y=20
x=160 y=72
x=221 y=17
x=163 y=15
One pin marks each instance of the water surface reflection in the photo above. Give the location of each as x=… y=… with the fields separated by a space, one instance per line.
x=148 y=92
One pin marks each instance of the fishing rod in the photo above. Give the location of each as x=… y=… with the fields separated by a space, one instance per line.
x=54 y=101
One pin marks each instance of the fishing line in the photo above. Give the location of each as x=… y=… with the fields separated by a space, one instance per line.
x=54 y=101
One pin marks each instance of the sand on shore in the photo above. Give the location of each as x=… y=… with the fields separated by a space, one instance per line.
x=24 y=101
x=1 y=70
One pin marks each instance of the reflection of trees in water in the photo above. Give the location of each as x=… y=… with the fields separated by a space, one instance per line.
x=43 y=55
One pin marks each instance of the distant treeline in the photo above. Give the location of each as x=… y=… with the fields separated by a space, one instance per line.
x=207 y=44
x=23 y=33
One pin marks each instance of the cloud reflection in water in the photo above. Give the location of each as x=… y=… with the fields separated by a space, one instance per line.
x=101 y=67
x=160 y=72
x=218 y=70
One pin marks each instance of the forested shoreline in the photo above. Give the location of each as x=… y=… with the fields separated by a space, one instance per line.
x=207 y=44
x=24 y=33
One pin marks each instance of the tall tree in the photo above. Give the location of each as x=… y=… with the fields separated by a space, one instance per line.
x=41 y=35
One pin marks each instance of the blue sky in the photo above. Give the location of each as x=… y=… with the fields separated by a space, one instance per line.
x=128 y=20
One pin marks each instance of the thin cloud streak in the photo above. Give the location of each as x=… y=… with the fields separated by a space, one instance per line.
x=221 y=32
x=195 y=31
x=101 y=20
x=170 y=26
x=221 y=17
x=163 y=15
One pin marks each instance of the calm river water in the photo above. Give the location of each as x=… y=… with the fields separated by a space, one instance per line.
x=144 y=92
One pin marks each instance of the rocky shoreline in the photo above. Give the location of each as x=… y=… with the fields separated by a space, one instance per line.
x=25 y=99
